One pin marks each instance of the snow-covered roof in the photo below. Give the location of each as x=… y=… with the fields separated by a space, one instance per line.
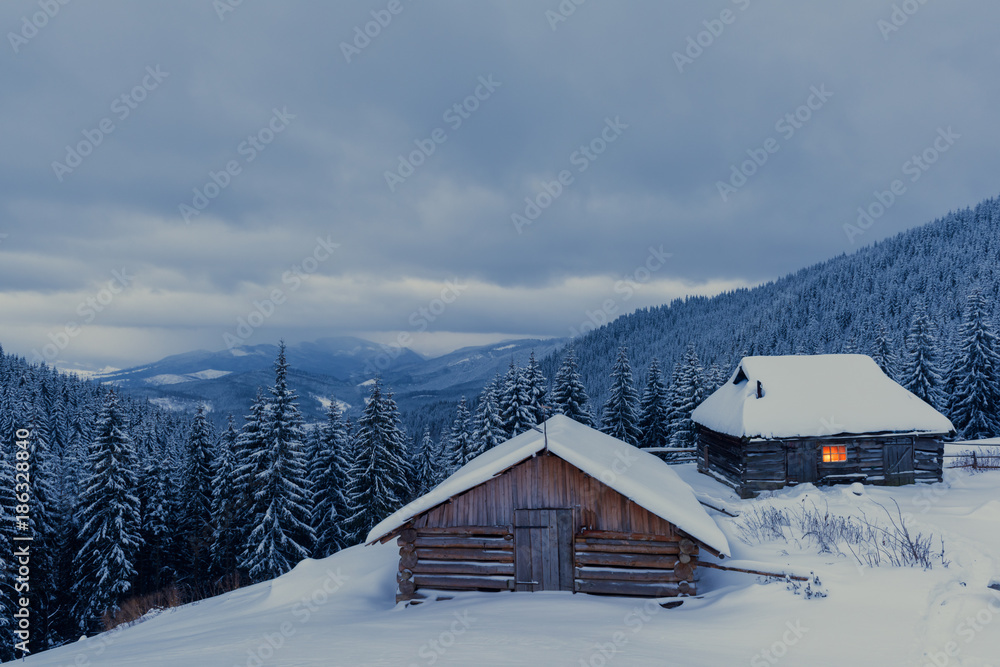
x=815 y=396
x=638 y=475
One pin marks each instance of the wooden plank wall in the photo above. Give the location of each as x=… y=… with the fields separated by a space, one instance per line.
x=546 y=482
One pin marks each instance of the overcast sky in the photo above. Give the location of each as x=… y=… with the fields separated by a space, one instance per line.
x=118 y=247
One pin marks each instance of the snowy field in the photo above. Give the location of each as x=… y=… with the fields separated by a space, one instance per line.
x=340 y=611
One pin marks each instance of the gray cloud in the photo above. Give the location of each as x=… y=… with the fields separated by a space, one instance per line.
x=323 y=176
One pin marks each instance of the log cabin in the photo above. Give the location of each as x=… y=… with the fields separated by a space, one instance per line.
x=821 y=419
x=562 y=507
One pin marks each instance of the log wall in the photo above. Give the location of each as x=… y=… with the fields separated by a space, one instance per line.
x=754 y=466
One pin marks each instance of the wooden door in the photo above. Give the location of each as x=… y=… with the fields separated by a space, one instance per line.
x=898 y=462
x=800 y=462
x=543 y=550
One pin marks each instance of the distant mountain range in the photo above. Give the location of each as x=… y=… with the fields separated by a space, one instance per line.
x=328 y=369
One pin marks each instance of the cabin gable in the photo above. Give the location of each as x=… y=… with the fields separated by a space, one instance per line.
x=544 y=524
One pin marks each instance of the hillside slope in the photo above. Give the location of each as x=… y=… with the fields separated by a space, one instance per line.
x=340 y=611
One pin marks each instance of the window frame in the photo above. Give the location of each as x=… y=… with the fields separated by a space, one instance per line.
x=828 y=452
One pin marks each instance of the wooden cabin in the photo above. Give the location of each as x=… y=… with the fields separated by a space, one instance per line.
x=822 y=419
x=563 y=508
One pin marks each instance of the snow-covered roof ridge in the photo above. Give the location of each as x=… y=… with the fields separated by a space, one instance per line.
x=815 y=396
x=637 y=475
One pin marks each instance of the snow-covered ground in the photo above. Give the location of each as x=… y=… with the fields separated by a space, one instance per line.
x=340 y=611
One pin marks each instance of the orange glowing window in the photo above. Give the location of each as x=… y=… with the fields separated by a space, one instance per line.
x=834 y=454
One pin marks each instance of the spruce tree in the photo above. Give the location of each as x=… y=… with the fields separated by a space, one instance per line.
x=196 y=494
x=329 y=470
x=378 y=481
x=687 y=394
x=249 y=461
x=460 y=448
x=920 y=373
x=882 y=351
x=515 y=402
x=537 y=389
x=428 y=468
x=488 y=426
x=654 y=421
x=108 y=519
x=225 y=546
x=620 y=419
x=976 y=402
x=569 y=396
x=281 y=534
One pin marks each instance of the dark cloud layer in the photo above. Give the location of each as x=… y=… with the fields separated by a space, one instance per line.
x=266 y=92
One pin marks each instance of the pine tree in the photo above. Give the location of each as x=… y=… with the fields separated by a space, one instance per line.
x=515 y=402
x=488 y=426
x=196 y=492
x=882 y=351
x=109 y=520
x=225 y=546
x=920 y=373
x=654 y=421
x=461 y=448
x=329 y=470
x=569 y=396
x=620 y=419
x=687 y=394
x=282 y=534
x=378 y=481
x=976 y=401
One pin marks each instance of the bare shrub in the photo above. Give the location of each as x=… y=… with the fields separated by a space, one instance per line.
x=132 y=610
x=871 y=542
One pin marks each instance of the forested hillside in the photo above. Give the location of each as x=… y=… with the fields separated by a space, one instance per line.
x=836 y=306
x=64 y=416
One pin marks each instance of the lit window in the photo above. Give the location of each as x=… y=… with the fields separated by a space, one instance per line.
x=834 y=454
